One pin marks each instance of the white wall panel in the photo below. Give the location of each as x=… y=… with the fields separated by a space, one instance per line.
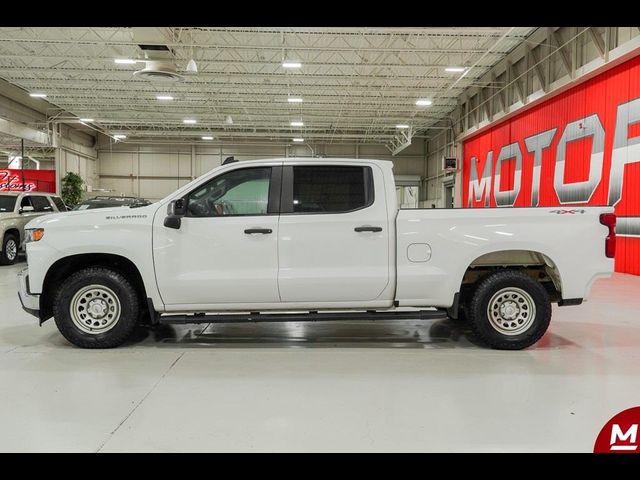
x=119 y=163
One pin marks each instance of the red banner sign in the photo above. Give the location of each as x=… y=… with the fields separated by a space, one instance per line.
x=33 y=181
x=581 y=147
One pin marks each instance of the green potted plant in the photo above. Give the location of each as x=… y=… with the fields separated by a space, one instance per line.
x=71 y=189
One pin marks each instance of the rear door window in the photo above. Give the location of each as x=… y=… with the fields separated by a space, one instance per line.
x=41 y=203
x=331 y=188
x=59 y=204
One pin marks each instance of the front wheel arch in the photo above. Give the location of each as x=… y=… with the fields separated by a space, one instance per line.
x=67 y=266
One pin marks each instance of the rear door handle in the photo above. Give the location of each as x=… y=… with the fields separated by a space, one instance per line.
x=264 y=231
x=368 y=229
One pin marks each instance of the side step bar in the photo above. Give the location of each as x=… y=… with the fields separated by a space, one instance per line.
x=302 y=317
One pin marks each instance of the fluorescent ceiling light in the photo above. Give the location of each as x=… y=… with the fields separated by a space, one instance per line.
x=297 y=124
x=207 y=138
x=125 y=61
x=86 y=119
x=402 y=125
x=455 y=69
x=298 y=140
x=288 y=64
x=189 y=120
x=164 y=97
x=38 y=95
x=294 y=100
x=423 y=102
x=119 y=136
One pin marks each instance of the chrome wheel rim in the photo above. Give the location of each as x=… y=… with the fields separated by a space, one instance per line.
x=11 y=249
x=95 y=309
x=511 y=311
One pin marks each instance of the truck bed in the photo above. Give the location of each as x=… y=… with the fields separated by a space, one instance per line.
x=435 y=247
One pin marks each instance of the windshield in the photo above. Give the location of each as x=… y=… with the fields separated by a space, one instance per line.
x=98 y=204
x=7 y=203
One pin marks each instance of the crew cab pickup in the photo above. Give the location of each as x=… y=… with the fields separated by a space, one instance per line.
x=16 y=210
x=314 y=239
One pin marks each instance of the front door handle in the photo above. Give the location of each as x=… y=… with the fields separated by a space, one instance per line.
x=264 y=231
x=368 y=229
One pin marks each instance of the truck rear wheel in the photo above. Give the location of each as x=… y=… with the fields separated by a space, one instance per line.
x=509 y=310
x=96 y=308
x=9 y=254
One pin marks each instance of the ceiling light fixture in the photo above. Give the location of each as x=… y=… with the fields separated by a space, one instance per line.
x=207 y=138
x=86 y=120
x=289 y=64
x=189 y=121
x=119 y=136
x=164 y=97
x=294 y=99
x=298 y=140
x=192 y=67
x=402 y=126
x=38 y=95
x=455 y=69
x=297 y=124
x=423 y=102
x=125 y=61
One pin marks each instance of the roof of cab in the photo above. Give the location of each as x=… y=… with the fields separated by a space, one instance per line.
x=312 y=160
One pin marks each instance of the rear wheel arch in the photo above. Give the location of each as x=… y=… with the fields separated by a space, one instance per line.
x=537 y=265
x=534 y=263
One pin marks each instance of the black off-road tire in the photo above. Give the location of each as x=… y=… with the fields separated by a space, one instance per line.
x=4 y=256
x=116 y=282
x=479 y=318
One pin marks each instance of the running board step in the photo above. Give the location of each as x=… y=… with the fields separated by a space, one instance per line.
x=302 y=317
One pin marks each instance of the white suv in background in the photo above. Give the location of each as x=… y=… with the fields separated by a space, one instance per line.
x=16 y=210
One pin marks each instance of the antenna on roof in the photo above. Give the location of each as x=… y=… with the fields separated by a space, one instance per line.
x=229 y=160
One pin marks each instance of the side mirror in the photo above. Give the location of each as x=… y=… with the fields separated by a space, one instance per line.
x=27 y=209
x=175 y=211
x=177 y=208
x=173 y=222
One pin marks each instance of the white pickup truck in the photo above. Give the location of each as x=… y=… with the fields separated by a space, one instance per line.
x=310 y=239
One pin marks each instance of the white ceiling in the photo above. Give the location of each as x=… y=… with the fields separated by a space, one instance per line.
x=357 y=83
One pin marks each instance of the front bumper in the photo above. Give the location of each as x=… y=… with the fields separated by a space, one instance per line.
x=30 y=303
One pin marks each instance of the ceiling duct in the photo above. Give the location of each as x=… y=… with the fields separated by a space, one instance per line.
x=159 y=59
x=160 y=71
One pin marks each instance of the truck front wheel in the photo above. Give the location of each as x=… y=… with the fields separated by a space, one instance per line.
x=510 y=310
x=96 y=308
x=9 y=253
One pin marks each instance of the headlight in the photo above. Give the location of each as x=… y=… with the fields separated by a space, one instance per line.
x=33 y=234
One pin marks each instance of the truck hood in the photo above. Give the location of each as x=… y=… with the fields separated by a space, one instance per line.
x=97 y=217
x=7 y=215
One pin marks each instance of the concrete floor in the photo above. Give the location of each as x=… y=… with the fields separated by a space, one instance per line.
x=386 y=386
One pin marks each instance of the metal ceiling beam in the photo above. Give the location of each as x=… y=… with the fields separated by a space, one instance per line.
x=19 y=130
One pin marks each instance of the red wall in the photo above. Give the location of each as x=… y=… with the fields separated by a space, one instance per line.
x=34 y=181
x=597 y=125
